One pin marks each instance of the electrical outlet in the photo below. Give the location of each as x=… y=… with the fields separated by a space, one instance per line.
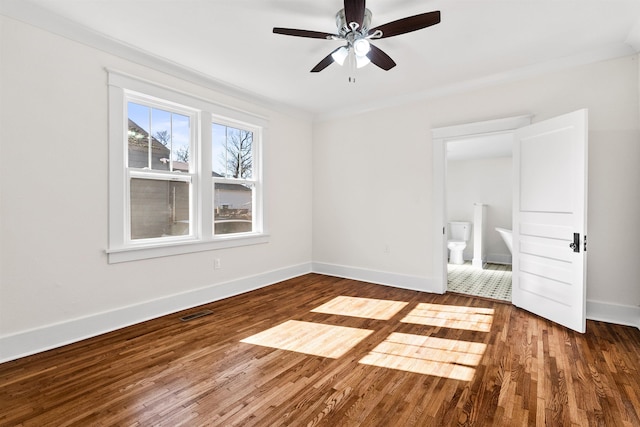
x=217 y=264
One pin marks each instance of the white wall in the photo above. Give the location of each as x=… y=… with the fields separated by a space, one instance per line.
x=372 y=201
x=485 y=181
x=53 y=218
x=362 y=162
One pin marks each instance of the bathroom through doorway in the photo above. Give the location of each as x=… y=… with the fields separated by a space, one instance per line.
x=479 y=196
x=477 y=169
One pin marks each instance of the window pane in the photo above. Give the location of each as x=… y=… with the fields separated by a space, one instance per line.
x=159 y=208
x=138 y=135
x=233 y=208
x=180 y=149
x=232 y=152
x=158 y=139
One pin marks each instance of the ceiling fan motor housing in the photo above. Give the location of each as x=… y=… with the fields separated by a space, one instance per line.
x=344 y=28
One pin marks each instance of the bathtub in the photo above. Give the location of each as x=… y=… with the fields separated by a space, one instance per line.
x=507 y=236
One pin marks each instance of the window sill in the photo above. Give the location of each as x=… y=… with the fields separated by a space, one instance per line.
x=168 y=249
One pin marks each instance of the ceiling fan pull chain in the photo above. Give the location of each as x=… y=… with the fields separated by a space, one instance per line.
x=352 y=66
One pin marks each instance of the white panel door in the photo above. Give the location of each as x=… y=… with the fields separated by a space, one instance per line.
x=549 y=219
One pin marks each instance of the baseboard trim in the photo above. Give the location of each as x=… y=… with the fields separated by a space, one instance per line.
x=52 y=336
x=596 y=310
x=57 y=335
x=613 y=313
x=499 y=259
x=396 y=280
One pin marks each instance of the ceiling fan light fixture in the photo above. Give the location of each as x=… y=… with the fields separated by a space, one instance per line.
x=361 y=61
x=340 y=55
x=361 y=47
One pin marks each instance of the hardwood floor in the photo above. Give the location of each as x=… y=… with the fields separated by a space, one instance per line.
x=320 y=350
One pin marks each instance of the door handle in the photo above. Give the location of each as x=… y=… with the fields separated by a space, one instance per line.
x=575 y=245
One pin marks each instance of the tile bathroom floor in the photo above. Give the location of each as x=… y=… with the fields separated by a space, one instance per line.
x=494 y=281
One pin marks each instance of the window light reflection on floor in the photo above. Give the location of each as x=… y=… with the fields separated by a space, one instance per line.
x=310 y=338
x=419 y=354
x=427 y=355
x=451 y=316
x=369 y=308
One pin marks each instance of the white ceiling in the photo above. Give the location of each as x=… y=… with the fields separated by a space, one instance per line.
x=231 y=41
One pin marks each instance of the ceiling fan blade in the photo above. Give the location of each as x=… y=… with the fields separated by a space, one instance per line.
x=303 y=33
x=381 y=59
x=354 y=11
x=406 y=25
x=326 y=61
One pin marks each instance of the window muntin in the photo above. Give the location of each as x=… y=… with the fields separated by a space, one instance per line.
x=233 y=152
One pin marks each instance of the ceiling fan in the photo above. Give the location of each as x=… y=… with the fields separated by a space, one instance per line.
x=354 y=27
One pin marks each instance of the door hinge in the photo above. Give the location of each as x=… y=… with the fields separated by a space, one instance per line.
x=585 y=242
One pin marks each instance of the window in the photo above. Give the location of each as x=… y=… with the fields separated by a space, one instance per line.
x=184 y=173
x=159 y=143
x=233 y=183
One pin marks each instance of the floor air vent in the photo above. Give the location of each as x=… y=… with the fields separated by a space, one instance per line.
x=196 y=315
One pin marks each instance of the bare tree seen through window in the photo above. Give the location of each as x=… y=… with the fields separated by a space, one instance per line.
x=163 y=136
x=237 y=157
x=181 y=154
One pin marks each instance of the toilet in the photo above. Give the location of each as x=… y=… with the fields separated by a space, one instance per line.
x=459 y=234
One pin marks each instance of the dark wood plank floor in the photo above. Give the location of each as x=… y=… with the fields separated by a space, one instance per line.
x=425 y=360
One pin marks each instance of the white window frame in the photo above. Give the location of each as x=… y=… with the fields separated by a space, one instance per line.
x=124 y=88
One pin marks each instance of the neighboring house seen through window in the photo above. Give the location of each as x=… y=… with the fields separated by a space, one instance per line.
x=184 y=173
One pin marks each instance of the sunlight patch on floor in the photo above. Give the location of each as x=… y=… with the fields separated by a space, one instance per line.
x=310 y=338
x=368 y=308
x=427 y=355
x=451 y=316
x=420 y=354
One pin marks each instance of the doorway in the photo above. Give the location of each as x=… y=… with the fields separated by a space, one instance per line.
x=479 y=176
x=472 y=146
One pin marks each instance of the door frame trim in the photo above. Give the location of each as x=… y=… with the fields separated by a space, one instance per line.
x=439 y=137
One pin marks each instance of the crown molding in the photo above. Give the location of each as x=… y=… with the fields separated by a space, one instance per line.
x=612 y=51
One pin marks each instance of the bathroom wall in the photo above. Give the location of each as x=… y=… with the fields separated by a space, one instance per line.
x=485 y=181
